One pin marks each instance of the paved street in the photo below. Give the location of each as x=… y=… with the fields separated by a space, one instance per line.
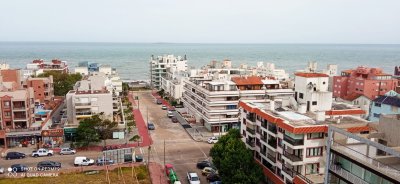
x=180 y=149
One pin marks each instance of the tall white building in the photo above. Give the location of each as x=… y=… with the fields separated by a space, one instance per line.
x=269 y=70
x=159 y=65
x=172 y=82
x=311 y=92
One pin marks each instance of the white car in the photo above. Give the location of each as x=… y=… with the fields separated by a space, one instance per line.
x=42 y=152
x=164 y=107
x=1 y=170
x=193 y=178
x=212 y=140
x=67 y=151
x=83 y=161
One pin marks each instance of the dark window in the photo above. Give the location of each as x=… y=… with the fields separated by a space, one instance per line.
x=377 y=104
x=312 y=152
x=319 y=135
x=314 y=103
x=376 y=115
x=301 y=95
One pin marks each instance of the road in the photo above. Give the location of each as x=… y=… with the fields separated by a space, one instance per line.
x=180 y=149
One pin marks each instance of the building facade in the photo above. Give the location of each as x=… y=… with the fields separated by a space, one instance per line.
x=43 y=89
x=385 y=104
x=159 y=65
x=371 y=82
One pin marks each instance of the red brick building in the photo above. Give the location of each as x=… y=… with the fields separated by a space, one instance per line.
x=370 y=82
x=43 y=89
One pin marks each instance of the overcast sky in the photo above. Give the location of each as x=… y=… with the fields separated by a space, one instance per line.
x=201 y=21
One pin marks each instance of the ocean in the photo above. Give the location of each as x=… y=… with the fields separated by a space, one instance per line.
x=132 y=59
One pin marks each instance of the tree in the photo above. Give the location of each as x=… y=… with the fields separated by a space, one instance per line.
x=63 y=82
x=234 y=161
x=94 y=129
x=86 y=132
x=105 y=129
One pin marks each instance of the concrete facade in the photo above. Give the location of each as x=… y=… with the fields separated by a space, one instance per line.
x=158 y=67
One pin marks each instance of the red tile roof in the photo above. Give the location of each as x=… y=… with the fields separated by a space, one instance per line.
x=358 y=129
x=250 y=80
x=345 y=112
x=310 y=75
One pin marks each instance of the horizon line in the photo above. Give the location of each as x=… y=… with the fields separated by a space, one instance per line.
x=240 y=43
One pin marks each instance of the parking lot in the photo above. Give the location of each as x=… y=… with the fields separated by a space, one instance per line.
x=180 y=149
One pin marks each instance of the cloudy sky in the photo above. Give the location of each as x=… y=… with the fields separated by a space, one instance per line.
x=202 y=21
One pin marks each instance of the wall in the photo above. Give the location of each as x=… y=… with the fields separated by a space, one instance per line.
x=383 y=109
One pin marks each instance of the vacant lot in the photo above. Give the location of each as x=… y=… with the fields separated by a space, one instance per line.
x=116 y=176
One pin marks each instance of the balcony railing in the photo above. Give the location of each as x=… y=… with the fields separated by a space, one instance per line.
x=82 y=104
x=271 y=157
x=251 y=117
x=250 y=142
x=264 y=138
x=25 y=129
x=292 y=157
x=347 y=175
x=83 y=113
x=20 y=117
x=294 y=142
x=288 y=171
x=251 y=131
x=19 y=107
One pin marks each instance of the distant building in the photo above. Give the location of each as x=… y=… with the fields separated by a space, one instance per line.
x=366 y=157
x=55 y=65
x=311 y=92
x=172 y=82
x=269 y=70
x=43 y=89
x=385 y=104
x=159 y=65
x=371 y=82
x=11 y=75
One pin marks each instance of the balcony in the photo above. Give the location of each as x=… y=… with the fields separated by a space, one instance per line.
x=264 y=138
x=251 y=142
x=271 y=157
x=272 y=142
x=294 y=142
x=347 y=175
x=19 y=107
x=251 y=117
x=83 y=113
x=288 y=171
x=272 y=128
x=82 y=104
x=292 y=157
x=25 y=129
x=251 y=131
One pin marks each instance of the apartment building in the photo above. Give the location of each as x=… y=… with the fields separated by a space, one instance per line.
x=289 y=145
x=92 y=95
x=388 y=103
x=17 y=116
x=368 y=158
x=371 y=82
x=212 y=102
x=159 y=65
x=172 y=82
x=43 y=89
x=11 y=75
x=40 y=66
x=269 y=70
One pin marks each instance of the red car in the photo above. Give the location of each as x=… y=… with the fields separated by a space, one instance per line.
x=174 y=119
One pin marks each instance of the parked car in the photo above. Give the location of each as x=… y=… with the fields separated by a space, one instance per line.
x=159 y=101
x=164 y=107
x=104 y=161
x=18 y=168
x=67 y=151
x=170 y=114
x=1 y=170
x=83 y=161
x=193 y=178
x=128 y=158
x=207 y=170
x=213 y=177
x=203 y=164
x=212 y=140
x=172 y=109
x=15 y=155
x=42 y=152
x=150 y=126
x=174 y=119
x=48 y=165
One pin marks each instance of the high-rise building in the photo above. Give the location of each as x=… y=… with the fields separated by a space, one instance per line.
x=159 y=65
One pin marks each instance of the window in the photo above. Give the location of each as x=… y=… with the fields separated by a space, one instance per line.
x=377 y=104
x=376 y=115
x=301 y=95
x=231 y=107
x=244 y=121
x=313 y=152
x=7 y=104
x=394 y=108
x=314 y=103
x=319 y=135
x=312 y=168
x=7 y=114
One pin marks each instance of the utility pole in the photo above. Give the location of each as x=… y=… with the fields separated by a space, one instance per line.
x=164 y=152
x=148 y=160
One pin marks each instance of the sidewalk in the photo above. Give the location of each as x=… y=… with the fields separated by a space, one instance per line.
x=141 y=125
x=157 y=175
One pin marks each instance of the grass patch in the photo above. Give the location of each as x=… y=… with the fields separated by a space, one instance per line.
x=82 y=178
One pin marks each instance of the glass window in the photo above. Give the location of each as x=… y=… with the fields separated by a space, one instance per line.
x=311 y=152
x=312 y=168
x=371 y=177
x=377 y=104
x=357 y=170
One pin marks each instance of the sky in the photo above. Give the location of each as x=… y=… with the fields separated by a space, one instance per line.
x=202 y=21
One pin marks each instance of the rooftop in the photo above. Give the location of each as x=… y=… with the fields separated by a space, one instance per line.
x=310 y=75
x=250 y=80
